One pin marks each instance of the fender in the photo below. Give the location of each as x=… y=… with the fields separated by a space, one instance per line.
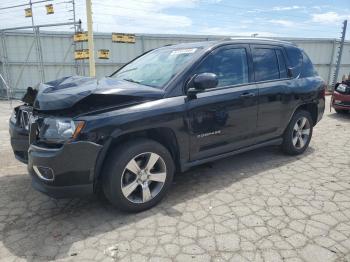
x=305 y=104
x=176 y=150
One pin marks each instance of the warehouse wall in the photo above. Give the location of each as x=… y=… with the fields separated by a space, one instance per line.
x=58 y=55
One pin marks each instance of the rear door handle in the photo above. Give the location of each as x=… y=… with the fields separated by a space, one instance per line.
x=247 y=94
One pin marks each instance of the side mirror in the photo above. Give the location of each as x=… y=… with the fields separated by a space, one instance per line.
x=205 y=81
x=290 y=72
x=201 y=82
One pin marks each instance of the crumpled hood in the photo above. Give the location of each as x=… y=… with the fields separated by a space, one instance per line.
x=67 y=92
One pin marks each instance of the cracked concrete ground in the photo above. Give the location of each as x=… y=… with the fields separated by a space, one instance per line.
x=258 y=206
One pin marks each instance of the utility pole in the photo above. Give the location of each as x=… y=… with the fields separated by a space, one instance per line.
x=90 y=39
x=340 y=52
x=37 y=44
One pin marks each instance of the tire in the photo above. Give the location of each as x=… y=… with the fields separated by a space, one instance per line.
x=296 y=138
x=126 y=189
x=341 y=111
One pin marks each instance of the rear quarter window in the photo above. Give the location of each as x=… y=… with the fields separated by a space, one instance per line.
x=295 y=60
x=308 y=68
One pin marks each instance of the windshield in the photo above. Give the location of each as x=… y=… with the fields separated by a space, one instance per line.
x=157 y=67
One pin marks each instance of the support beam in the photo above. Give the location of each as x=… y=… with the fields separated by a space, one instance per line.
x=45 y=25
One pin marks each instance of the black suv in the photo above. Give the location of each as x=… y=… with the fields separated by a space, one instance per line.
x=168 y=110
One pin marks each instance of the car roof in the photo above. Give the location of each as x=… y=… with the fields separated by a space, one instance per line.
x=232 y=40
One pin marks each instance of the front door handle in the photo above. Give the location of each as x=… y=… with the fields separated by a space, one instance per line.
x=247 y=94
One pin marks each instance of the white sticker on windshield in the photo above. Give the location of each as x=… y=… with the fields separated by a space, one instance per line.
x=183 y=51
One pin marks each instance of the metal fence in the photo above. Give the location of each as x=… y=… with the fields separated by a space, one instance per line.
x=22 y=70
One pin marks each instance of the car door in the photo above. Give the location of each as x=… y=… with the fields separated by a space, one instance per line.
x=270 y=73
x=224 y=118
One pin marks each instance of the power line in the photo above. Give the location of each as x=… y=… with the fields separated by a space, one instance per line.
x=227 y=22
x=7 y=11
x=220 y=5
x=59 y=13
x=145 y=10
x=27 y=4
x=279 y=30
x=221 y=13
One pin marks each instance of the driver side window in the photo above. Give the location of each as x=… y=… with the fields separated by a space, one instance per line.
x=230 y=66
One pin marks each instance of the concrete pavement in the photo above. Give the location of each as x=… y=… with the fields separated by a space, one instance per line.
x=258 y=206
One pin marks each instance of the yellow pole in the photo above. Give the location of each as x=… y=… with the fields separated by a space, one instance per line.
x=90 y=39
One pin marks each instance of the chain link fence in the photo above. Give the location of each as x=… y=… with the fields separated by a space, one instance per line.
x=29 y=55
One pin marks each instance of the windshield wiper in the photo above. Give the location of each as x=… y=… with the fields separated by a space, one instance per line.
x=138 y=82
x=131 y=80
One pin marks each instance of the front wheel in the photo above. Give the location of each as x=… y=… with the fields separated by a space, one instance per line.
x=138 y=175
x=298 y=134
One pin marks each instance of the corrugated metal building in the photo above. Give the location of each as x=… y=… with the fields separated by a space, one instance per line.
x=58 y=55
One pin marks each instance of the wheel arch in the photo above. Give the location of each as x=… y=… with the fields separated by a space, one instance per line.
x=309 y=107
x=163 y=135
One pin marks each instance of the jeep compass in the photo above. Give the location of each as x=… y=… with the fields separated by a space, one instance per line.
x=166 y=111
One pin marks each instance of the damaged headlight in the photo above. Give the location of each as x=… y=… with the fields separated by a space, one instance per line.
x=60 y=129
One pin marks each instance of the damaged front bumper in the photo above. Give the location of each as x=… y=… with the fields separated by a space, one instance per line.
x=67 y=171
x=19 y=142
x=19 y=132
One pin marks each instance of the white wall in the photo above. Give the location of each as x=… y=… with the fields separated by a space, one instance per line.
x=58 y=54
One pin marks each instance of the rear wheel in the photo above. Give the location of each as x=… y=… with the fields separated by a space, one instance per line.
x=298 y=134
x=138 y=175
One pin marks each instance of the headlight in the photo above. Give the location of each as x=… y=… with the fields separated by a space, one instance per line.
x=13 y=118
x=60 y=129
x=342 y=88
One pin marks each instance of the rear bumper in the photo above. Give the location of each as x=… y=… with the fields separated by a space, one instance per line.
x=19 y=142
x=72 y=169
x=340 y=101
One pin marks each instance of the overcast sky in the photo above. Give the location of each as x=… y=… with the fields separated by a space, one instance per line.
x=321 y=18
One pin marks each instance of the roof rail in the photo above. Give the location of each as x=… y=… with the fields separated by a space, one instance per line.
x=258 y=39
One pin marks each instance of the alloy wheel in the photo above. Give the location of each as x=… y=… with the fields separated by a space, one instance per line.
x=143 y=177
x=301 y=132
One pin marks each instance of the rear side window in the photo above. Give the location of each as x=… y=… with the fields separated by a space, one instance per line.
x=308 y=68
x=295 y=59
x=230 y=66
x=265 y=64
